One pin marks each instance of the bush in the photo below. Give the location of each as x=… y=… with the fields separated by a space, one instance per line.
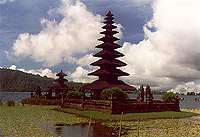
x=115 y=93
x=1 y=103
x=10 y=103
x=39 y=101
x=170 y=97
x=75 y=94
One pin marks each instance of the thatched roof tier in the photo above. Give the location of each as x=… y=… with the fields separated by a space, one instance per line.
x=99 y=85
x=59 y=87
x=104 y=61
x=106 y=45
x=108 y=38
x=113 y=72
x=109 y=27
x=109 y=32
x=104 y=53
x=61 y=80
x=108 y=22
x=61 y=74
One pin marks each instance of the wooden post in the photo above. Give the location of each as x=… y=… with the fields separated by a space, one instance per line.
x=89 y=126
x=120 y=128
x=138 y=130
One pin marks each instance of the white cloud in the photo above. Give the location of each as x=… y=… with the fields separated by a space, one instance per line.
x=187 y=87
x=5 y=1
x=85 y=60
x=75 y=34
x=80 y=75
x=170 y=53
x=13 y=67
x=42 y=72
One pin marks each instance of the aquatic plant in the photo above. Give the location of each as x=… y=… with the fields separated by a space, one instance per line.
x=34 y=120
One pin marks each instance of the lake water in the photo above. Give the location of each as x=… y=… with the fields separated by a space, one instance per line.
x=96 y=130
x=189 y=102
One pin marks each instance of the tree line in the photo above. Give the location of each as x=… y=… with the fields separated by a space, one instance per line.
x=14 y=80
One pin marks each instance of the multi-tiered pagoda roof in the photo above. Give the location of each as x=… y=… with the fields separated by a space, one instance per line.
x=61 y=82
x=108 y=73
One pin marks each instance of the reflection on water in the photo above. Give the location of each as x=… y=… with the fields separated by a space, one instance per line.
x=81 y=130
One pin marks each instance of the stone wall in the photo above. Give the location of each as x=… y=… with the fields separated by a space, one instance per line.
x=117 y=107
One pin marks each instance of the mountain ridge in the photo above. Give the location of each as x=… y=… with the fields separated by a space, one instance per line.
x=15 y=80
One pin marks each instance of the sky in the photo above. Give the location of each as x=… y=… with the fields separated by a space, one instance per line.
x=160 y=39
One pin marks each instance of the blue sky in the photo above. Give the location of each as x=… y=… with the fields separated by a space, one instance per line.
x=160 y=39
x=22 y=16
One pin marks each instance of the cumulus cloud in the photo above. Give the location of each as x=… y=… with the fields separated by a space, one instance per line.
x=5 y=1
x=42 y=72
x=170 y=53
x=13 y=67
x=80 y=75
x=187 y=87
x=75 y=34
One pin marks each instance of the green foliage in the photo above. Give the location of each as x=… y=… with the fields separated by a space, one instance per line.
x=74 y=94
x=115 y=92
x=14 y=80
x=169 y=97
x=39 y=101
x=10 y=103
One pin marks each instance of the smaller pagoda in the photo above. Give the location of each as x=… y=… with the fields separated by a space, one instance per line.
x=57 y=91
x=108 y=73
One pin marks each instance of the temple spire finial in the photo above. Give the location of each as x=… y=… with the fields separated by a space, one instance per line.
x=109 y=13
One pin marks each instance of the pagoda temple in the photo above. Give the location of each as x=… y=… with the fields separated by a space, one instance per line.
x=60 y=88
x=108 y=73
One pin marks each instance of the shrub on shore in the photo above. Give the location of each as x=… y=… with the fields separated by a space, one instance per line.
x=39 y=101
x=11 y=103
x=170 y=97
x=114 y=93
x=75 y=94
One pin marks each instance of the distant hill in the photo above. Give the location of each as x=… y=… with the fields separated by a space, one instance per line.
x=14 y=80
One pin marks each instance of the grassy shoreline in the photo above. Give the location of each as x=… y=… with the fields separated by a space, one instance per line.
x=100 y=116
x=35 y=120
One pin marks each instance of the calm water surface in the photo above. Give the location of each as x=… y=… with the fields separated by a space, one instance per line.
x=16 y=96
x=96 y=130
x=189 y=102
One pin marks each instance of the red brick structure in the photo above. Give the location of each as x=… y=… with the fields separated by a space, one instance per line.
x=117 y=106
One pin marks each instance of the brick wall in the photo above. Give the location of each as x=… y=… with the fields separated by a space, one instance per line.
x=117 y=107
